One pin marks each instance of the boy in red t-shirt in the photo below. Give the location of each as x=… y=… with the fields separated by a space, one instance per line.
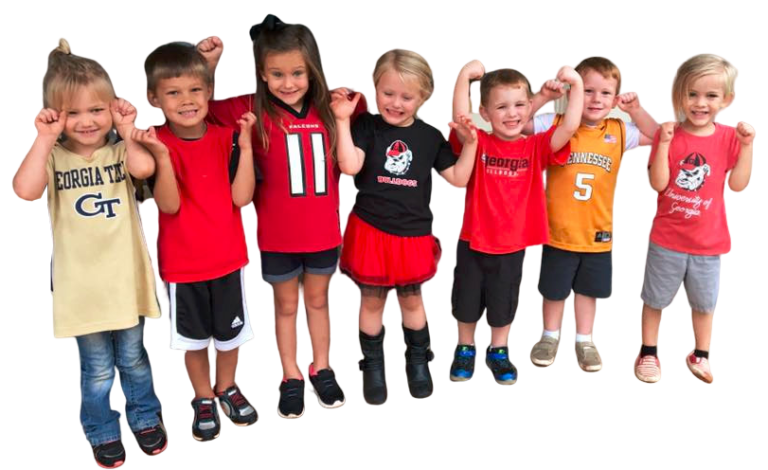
x=204 y=174
x=505 y=208
x=689 y=162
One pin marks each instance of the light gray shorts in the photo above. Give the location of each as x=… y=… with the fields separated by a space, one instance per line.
x=665 y=270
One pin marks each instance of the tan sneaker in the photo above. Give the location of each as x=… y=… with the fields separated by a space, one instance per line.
x=588 y=357
x=544 y=352
x=648 y=369
x=700 y=367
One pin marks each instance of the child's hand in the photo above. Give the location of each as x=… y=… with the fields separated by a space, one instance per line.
x=629 y=102
x=474 y=70
x=123 y=115
x=465 y=128
x=745 y=133
x=666 y=132
x=211 y=48
x=552 y=90
x=344 y=102
x=50 y=123
x=566 y=73
x=246 y=123
x=149 y=140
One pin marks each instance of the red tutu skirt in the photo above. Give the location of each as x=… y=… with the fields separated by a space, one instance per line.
x=379 y=259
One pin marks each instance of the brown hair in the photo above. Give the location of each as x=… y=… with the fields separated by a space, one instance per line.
x=601 y=65
x=503 y=77
x=67 y=73
x=175 y=60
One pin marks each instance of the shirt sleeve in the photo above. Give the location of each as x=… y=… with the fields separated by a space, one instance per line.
x=543 y=122
x=226 y=112
x=544 y=149
x=362 y=131
x=632 y=139
x=445 y=157
x=734 y=148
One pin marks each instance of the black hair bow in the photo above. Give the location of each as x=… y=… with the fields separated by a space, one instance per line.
x=270 y=23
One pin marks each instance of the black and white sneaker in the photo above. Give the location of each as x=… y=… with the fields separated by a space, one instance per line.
x=291 y=399
x=328 y=392
x=237 y=407
x=206 y=425
x=109 y=454
x=152 y=440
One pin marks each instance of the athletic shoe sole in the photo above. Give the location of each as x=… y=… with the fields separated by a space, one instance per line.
x=289 y=416
x=457 y=378
x=335 y=404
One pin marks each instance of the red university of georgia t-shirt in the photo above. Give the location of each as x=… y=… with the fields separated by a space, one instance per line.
x=690 y=217
x=297 y=199
x=505 y=207
x=204 y=240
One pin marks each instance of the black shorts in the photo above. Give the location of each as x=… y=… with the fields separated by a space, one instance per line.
x=482 y=281
x=586 y=273
x=280 y=267
x=205 y=309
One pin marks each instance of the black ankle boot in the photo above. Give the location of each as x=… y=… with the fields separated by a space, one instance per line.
x=372 y=365
x=417 y=357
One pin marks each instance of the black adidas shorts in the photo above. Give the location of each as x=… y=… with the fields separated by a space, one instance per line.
x=215 y=308
x=482 y=281
x=585 y=273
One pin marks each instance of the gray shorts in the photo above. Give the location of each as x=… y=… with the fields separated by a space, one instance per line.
x=665 y=270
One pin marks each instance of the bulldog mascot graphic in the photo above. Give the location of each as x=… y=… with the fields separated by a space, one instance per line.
x=693 y=172
x=399 y=158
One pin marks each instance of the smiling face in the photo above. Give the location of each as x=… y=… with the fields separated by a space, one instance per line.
x=287 y=77
x=704 y=98
x=88 y=121
x=508 y=109
x=599 y=97
x=184 y=101
x=398 y=99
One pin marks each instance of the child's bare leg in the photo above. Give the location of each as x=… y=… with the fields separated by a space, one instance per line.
x=412 y=307
x=651 y=321
x=199 y=371
x=316 y=304
x=286 y=306
x=226 y=366
x=585 y=308
x=553 y=314
x=702 y=329
x=467 y=332
x=500 y=336
x=371 y=314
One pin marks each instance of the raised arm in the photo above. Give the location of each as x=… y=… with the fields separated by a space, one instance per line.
x=458 y=175
x=166 y=190
x=659 y=172
x=211 y=48
x=139 y=162
x=32 y=177
x=551 y=90
x=572 y=118
x=349 y=157
x=740 y=174
x=245 y=177
x=461 y=107
x=630 y=104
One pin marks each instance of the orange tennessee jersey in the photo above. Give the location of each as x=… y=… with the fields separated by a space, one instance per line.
x=580 y=193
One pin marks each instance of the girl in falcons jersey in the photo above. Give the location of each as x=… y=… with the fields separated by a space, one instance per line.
x=101 y=276
x=297 y=195
x=388 y=242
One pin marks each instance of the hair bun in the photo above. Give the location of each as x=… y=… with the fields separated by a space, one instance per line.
x=63 y=47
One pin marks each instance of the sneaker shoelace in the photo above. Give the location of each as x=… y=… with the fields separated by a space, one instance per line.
x=204 y=412
x=648 y=365
x=238 y=399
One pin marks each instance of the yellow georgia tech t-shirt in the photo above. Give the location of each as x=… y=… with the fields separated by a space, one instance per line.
x=101 y=274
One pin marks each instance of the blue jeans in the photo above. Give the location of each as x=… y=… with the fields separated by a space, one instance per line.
x=100 y=353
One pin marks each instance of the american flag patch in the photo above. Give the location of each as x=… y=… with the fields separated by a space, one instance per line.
x=610 y=139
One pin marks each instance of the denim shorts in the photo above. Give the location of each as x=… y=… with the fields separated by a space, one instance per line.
x=666 y=269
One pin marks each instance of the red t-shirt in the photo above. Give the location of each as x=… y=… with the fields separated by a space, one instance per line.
x=506 y=207
x=204 y=240
x=690 y=217
x=297 y=200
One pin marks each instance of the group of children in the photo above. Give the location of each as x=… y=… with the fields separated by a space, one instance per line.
x=285 y=147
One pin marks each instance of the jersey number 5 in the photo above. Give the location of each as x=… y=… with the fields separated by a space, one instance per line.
x=296 y=170
x=584 y=193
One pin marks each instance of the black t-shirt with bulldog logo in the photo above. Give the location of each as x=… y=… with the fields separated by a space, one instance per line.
x=395 y=183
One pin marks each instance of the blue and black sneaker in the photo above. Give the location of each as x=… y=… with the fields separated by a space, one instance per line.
x=497 y=359
x=463 y=363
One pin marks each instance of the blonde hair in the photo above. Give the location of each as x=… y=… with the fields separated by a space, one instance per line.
x=67 y=73
x=503 y=77
x=407 y=64
x=174 y=60
x=695 y=68
x=601 y=65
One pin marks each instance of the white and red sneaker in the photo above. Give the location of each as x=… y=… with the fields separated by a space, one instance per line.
x=648 y=369
x=700 y=367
